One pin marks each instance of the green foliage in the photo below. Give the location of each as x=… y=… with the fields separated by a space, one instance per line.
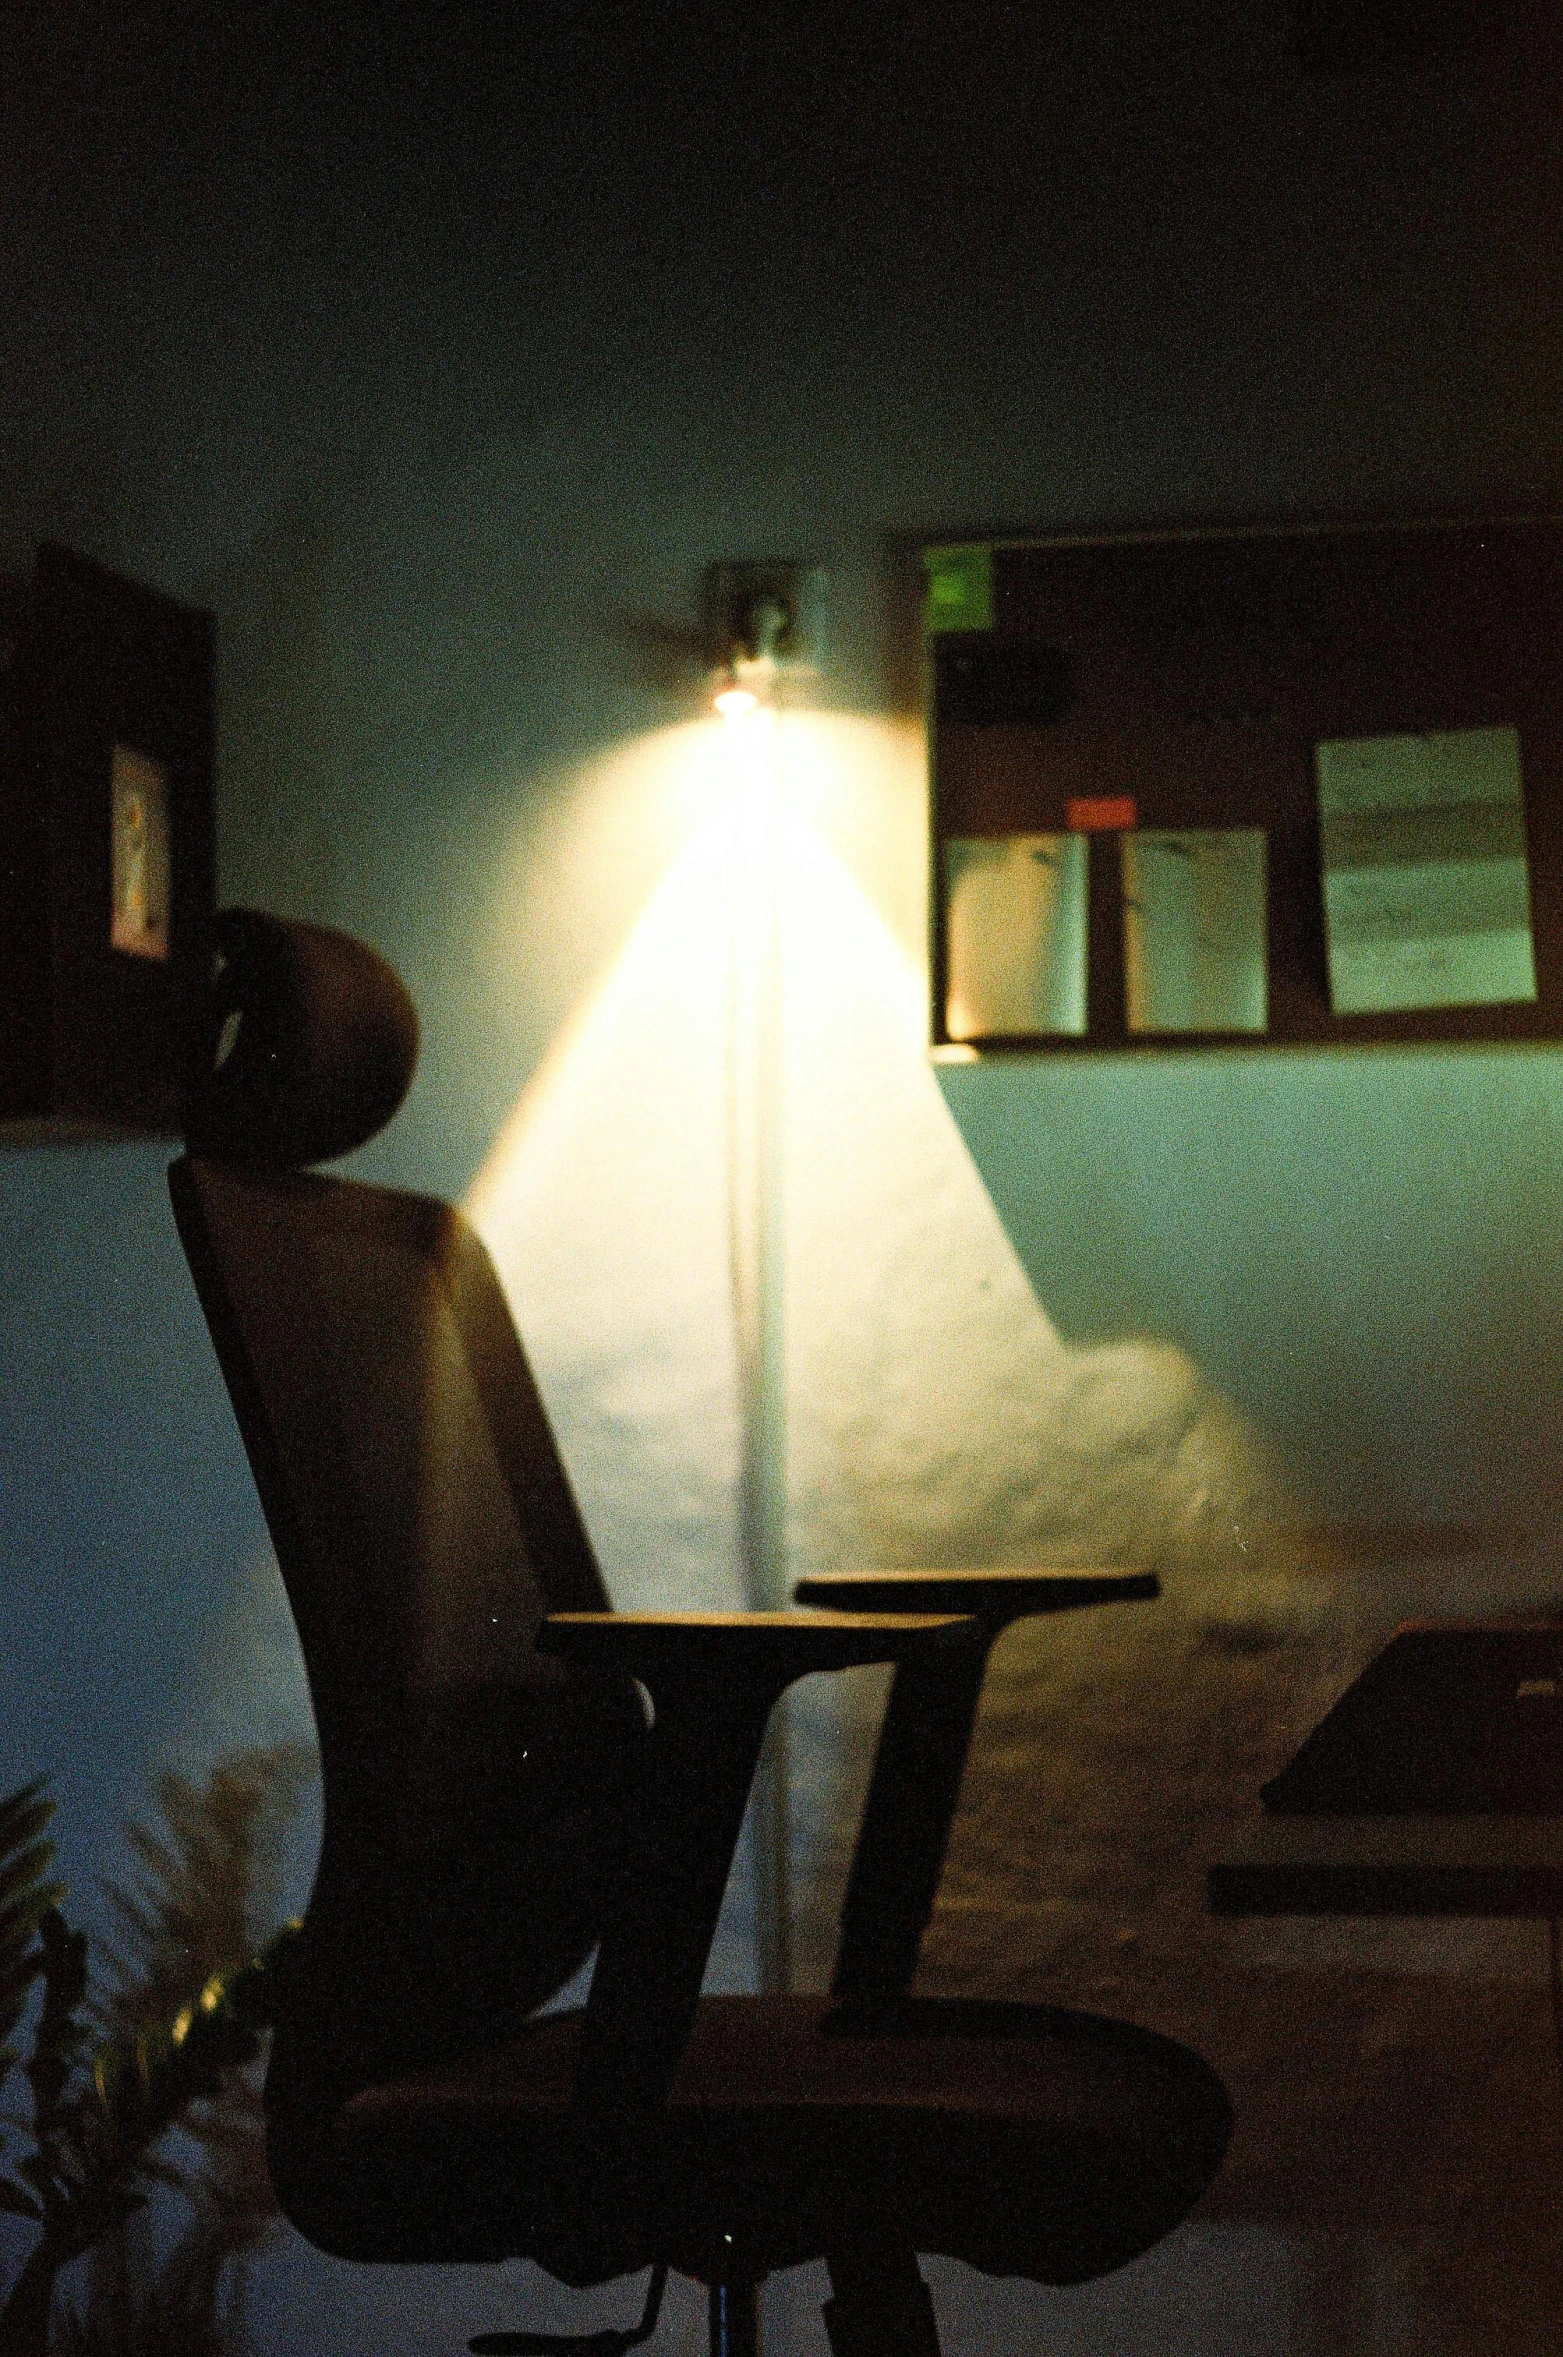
x=204 y=1888
x=27 y=1893
x=165 y=2036
x=137 y=2307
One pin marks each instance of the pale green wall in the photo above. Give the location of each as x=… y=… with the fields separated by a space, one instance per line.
x=1361 y=1250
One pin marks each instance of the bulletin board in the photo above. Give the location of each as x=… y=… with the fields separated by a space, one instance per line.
x=1246 y=789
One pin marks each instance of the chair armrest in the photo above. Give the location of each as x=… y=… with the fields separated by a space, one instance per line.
x=713 y=1680
x=923 y=1745
x=995 y=1597
x=668 y=1651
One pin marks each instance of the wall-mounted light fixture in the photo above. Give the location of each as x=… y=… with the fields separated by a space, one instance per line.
x=761 y=621
x=735 y=697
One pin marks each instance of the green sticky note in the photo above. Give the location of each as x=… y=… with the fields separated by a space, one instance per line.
x=960 y=588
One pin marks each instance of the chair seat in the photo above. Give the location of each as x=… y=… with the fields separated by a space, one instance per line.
x=1022 y=2139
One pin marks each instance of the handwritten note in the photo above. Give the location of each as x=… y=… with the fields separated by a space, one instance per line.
x=1426 y=884
x=1194 y=929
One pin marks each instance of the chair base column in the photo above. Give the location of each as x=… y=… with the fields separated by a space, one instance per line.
x=735 y=2319
x=881 y=2307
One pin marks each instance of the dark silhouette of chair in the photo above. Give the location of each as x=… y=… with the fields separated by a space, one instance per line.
x=514 y=1775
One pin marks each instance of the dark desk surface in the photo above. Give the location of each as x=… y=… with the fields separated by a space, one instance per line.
x=1447 y=1865
x=1450 y=1745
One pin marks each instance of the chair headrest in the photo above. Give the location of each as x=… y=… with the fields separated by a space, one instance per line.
x=305 y=1046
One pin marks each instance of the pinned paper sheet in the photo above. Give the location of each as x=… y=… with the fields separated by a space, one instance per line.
x=1195 y=936
x=138 y=789
x=1426 y=887
x=1015 y=935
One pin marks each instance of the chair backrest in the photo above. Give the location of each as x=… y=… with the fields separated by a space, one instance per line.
x=424 y=1524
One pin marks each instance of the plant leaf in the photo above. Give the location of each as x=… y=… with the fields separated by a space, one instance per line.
x=27 y=1892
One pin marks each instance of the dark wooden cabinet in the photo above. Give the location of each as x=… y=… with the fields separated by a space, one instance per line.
x=106 y=850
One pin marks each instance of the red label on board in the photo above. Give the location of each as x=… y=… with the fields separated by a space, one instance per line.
x=1100 y=814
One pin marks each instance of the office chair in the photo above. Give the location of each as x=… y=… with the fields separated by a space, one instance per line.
x=516 y=1776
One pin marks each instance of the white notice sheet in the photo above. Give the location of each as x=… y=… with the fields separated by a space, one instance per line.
x=1194 y=929
x=1426 y=886
x=1015 y=935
